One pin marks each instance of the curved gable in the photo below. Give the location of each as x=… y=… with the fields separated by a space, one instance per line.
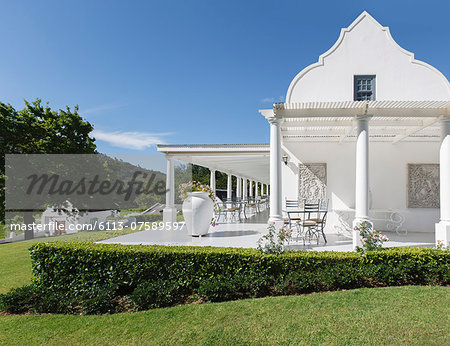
x=367 y=48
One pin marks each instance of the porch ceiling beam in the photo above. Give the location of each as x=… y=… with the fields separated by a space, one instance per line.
x=388 y=113
x=220 y=155
x=293 y=139
x=237 y=169
x=312 y=122
x=349 y=123
x=348 y=131
x=316 y=132
x=387 y=108
x=414 y=130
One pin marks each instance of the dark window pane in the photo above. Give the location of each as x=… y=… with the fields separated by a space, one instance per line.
x=364 y=88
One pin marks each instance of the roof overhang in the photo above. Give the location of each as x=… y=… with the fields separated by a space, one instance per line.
x=392 y=121
x=249 y=161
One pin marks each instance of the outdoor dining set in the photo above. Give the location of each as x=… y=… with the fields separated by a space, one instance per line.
x=303 y=221
x=307 y=220
x=237 y=209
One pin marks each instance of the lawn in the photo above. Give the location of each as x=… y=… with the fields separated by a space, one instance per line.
x=413 y=315
x=15 y=263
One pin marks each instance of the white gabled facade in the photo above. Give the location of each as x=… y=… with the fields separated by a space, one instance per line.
x=367 y=48
x=405 y=120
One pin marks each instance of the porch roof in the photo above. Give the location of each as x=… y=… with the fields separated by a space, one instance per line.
x=249 y=161
x=391 y=121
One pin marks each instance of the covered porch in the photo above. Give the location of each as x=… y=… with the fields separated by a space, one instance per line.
x=340 y=135
x=246 y=200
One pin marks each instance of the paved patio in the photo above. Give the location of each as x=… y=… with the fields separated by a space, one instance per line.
x=246 y=235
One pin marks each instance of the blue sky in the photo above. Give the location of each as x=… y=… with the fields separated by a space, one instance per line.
x=145 y=72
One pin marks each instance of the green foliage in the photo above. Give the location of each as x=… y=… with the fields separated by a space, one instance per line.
x=158 y=275
x=149 y=218
x=202 y=174
x=220 y=289
x=37 y=129
x=158 y=294
x=20 y=300
x=241 y=285
x=37 y=299
x=146 y=200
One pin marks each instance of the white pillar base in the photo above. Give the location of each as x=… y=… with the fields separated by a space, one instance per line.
x=169 y=215
x=443 y=233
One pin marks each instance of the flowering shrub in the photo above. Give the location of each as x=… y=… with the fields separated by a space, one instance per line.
x=441 y=245
x=370 y=238
x=273 y=241
x=194 y=186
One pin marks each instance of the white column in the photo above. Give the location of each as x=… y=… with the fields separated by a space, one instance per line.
x=362 y=175
x=212 y=180
x=229 y=187
x=238 y=187
x=250 y=187
x=244 y=188
x=443 y=227
x=275 y=171
x=170 y=211
x=256 y=189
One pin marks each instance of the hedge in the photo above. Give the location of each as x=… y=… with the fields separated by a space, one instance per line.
x=99 y=278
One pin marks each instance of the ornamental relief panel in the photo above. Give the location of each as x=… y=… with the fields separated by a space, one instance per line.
x=423 y=186
x=312 y=182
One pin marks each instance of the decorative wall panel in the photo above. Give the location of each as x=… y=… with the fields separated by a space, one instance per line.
x=312 y=182
x=423 y=186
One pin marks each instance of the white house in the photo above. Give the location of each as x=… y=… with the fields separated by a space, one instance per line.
x=366 y=127
x=67 y=219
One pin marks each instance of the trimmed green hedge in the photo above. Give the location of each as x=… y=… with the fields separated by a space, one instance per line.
x=94 y=276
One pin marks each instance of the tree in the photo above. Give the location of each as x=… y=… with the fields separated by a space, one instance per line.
x=37 y=129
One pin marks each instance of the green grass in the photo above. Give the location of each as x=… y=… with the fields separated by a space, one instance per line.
x=15 y=262
x=413 y=315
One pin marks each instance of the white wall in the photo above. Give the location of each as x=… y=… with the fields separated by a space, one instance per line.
x=388 y=177
x=366 y=48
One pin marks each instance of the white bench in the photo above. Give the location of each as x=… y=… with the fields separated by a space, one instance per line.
x=383 y=220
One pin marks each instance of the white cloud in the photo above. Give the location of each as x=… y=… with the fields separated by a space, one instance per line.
x=272 y=99
x=130 y=140
x=100 y=108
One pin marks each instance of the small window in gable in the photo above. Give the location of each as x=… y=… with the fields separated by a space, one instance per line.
x=364 y=88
